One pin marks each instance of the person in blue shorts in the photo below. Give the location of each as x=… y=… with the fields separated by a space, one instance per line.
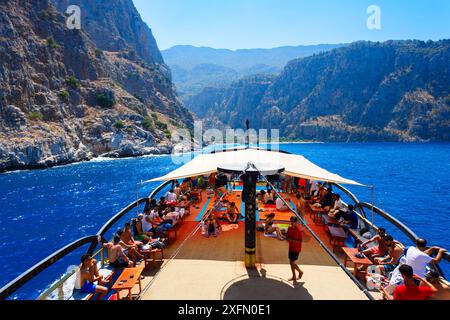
x=89 y=276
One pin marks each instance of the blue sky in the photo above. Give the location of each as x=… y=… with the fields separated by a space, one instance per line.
x=239 y=24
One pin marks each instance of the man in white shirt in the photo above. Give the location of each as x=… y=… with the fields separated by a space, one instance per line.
x=314 y=186
x=418 y=258
x=171 y=196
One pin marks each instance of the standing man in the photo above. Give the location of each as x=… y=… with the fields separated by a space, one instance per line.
x=295 y=238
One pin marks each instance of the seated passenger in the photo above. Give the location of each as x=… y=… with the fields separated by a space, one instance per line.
x=116 y=256
x=391 y=261
x=233 y=213
x=327 y=201
x=281 y=206
x=410 y=290
x=132 y=251
x=338 y=206
x=88 y=276
x=349 y=219
x=212 y=227
x=379 y=251
x=162 y=204
x=171 y=197
x=270 y=228
x=177 y=190
x=260 y=196
x=301 y=205
x=418 y=258
x=127 y=236
x=138 y=230
x=443 y=290
x=268 y=198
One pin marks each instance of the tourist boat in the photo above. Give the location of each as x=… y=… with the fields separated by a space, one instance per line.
x=241 y=263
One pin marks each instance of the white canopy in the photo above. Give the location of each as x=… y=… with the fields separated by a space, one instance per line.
x=294 y=165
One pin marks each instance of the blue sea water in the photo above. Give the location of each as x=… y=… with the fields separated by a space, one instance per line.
x=43 y=210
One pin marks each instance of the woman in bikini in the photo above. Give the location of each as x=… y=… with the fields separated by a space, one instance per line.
x=270 y=228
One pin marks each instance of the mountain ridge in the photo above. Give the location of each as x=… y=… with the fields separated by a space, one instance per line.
x=367 y=91
x=184 y=60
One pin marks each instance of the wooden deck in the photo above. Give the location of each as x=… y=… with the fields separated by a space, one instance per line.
x=213 y=269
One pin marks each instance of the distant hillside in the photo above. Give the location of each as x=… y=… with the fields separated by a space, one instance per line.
x=71 y=95
x=396 y=91
x=195 y=68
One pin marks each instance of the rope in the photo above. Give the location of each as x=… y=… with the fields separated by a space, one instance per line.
x=178 y=250
x=364 y=290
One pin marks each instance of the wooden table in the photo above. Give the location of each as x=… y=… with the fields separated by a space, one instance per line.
x=350 y=256
x=316 y=213
x=131 y=276
x=337 y=237
x=327 y=220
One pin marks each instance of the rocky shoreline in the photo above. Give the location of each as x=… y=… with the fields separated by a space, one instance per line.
x=52 y=161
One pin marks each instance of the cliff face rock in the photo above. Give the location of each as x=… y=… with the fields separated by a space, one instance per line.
x=395 y=91
x=65 y=99
x=232 y=105
x=116 y=26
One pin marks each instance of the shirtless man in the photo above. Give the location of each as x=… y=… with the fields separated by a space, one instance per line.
x=390 y=262
x=131 y=250
x=233 y=213
x=381 y=250
x=127 y=236
x=300 y=205
x=443 y=290
x=116 y=255
x=280 y=205
x=89 y=275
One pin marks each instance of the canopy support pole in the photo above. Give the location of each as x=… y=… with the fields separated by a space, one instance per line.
x=373 y=204
x=250 y=178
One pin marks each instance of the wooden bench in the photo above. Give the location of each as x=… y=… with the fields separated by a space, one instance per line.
x=150 y=256
x=108 y=274
x=328 y=221
x=359 y=239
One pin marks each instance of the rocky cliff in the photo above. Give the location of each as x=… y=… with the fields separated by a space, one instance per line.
x=395 y=91
x=70 y=95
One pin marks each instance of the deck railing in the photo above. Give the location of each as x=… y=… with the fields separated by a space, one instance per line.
x=21 y=280
x=386 y=216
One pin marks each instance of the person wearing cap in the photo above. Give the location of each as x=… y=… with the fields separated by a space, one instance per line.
x=295 y=238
